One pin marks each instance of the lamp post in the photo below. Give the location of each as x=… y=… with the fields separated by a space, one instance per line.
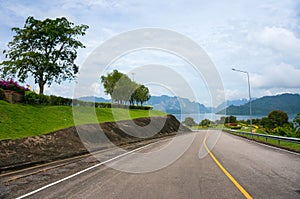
x=249 y=95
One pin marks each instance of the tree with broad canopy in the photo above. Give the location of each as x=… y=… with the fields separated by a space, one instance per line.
x=44 y=49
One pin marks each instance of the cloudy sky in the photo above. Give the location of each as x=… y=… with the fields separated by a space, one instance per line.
x=259 y=36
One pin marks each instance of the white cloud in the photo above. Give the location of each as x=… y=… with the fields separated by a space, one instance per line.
x=282 y=76
x=220 y=27
x=281 y=40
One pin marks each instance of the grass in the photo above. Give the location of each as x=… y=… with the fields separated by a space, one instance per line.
x=21 y=120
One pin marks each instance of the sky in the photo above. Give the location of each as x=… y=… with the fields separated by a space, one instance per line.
x=261 y=37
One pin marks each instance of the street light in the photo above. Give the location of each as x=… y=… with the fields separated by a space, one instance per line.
x=249 y=95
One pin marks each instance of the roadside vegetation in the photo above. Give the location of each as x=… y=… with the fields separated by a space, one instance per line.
x=273 y=142
x=276 y=123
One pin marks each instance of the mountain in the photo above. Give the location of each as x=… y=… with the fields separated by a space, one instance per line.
x=289 y=103
x=224 y=105
x=165 y=103
x=175 y=105
x=93 y=99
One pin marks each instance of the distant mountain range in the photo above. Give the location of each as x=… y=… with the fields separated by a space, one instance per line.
x=289 y=103
x=224 y=105
x=94 y=99
x=174 y=104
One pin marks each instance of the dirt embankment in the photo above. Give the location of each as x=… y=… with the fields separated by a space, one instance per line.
x=66 y=142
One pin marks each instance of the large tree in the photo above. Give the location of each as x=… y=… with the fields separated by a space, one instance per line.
x=277 y=118
x=189 y=121
x=122 y=89
x=110 y=81
x=142 y=94
x=45 y=50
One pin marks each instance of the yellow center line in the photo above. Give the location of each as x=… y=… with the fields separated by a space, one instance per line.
x=242 y=190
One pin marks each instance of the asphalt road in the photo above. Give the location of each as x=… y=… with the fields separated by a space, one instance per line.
x=263 y=172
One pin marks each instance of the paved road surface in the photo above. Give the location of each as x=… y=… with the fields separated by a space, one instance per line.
x=262 y=171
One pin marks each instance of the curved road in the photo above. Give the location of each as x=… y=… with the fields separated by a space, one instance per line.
x=262 y=171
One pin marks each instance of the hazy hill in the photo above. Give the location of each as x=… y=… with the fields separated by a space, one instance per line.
x=175 y=105
x=289 y=103
x=94 y=99
x=238 y=102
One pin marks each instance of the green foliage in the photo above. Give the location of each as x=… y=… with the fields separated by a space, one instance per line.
x=277 y=118
x=34 y=98
x=286 y=130
x=298 y=133
x=297 y=121
x=122 y=89
x=229 y=119
x=141 y=94
x=266 y=123
x=2 y=95
x=21 y=120
x=235 y=127
x=141 y=107
x=205 y=123
x=31 y=97
x=110 y=81
x=45 y=50
x=189 y=121
x=276 y=123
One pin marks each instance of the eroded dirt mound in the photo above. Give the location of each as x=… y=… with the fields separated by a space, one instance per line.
x=66 y=142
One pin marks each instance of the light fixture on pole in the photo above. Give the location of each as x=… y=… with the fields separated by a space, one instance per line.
x=249 y=95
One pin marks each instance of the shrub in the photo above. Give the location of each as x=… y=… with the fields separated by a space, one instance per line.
x=44 y=99
x=141 y=107
x=233 y=126
x=54 y=100
x=298 y=133
x=102 y=105
x=31 y=97
x=65 y=101
x=2 y=95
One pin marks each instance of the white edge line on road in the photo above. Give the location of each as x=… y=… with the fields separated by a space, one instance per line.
x=266 y=145
x=277 y=148
x=85 y=170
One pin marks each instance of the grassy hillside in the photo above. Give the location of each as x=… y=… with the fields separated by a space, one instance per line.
x=21 y=120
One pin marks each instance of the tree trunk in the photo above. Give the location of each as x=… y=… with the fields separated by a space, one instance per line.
x=41 y=86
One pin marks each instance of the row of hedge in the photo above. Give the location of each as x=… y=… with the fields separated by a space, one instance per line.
x=109 y=105
x=2 y=95
x=34 y=98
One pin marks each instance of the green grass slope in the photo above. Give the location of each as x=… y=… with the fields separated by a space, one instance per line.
x=21 y=120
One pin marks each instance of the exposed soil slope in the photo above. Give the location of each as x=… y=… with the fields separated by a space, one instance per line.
x=66 y=142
